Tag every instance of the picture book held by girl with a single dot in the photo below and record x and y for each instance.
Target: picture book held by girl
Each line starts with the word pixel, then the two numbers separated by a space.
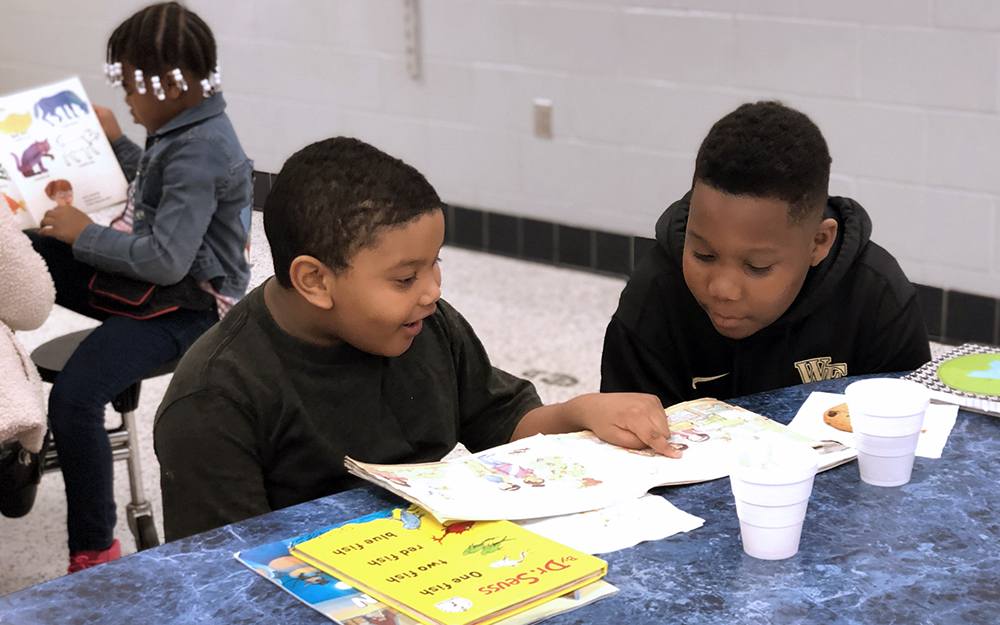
pixel 53 151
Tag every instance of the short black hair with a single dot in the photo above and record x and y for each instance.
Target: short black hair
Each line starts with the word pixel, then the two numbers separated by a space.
pixel 164 36
pixel 767 150
pixel 334 198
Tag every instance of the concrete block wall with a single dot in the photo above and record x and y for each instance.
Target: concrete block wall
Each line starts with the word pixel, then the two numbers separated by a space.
pixel 906 91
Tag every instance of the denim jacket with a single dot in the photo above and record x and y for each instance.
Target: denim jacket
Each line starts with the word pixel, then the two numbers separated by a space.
pixel 192 190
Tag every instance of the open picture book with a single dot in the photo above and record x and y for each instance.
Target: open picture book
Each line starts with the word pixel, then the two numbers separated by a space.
pixel 550 475
pixel 54 151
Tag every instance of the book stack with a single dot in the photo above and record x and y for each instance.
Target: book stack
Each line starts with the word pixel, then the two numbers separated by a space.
pixel 401 566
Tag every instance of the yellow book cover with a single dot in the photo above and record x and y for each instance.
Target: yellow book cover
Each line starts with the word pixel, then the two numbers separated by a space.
pixel 463 573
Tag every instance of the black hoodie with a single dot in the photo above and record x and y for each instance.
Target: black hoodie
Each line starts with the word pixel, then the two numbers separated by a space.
pixel 856 313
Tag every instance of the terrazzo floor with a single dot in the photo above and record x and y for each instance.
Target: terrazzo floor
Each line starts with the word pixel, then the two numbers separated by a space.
pixel 541 322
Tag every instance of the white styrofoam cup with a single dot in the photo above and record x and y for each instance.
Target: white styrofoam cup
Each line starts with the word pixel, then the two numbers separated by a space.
pixel 886 416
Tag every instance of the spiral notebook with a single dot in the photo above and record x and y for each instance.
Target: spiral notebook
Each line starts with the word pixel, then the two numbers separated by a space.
pixel 968 376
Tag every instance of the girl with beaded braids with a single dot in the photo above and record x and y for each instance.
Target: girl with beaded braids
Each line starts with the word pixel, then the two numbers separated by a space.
pixel 186 223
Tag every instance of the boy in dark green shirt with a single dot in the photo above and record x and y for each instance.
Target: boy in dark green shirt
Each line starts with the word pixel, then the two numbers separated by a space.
pixel 348 350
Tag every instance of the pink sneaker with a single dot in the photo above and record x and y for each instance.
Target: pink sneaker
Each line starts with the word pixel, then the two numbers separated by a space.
pixel 86 559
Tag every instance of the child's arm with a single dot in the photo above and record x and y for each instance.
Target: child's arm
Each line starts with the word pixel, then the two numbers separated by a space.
pixel 127 152
pixel 634 420
pixel 195 171
pixel 64 223
pixel 108 122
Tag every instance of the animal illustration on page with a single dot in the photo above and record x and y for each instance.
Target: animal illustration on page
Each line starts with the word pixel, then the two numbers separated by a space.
pixel 508 561
pixel 486 547
pixel 65 101
pixel 15 124
pixel 32 157
pixel 15 206
pixel 410 517
pixel 80 149
pixel 455 528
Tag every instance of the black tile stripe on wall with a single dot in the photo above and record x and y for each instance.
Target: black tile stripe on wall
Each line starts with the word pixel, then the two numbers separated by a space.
pixel 952 317
pixel 468 227
pixel 502 234
pixel 575 246
pixel 932 304
pixel 539 240
pixel 613 253
pixel 970 318
pixel 261 187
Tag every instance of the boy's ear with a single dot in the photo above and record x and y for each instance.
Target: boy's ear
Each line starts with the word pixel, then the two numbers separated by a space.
pixel 823 240
pixel 313 280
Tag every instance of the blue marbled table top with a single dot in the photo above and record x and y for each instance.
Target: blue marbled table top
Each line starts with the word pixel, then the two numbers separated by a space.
pixel 926 552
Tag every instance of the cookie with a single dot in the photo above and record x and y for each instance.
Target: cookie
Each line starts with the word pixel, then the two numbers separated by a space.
pixel 839 418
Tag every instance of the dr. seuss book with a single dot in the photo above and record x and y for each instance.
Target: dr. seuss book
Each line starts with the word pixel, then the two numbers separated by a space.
pixel 464 573
pixel 550 475
pixel 53 151
pixel 342 603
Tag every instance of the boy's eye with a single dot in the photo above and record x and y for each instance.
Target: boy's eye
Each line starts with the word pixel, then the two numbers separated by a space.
pixel 758 271
pixel 703 257
pixel 407 281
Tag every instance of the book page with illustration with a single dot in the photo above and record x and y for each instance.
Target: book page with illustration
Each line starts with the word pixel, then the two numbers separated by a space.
pixel 53 151
pixel 551 475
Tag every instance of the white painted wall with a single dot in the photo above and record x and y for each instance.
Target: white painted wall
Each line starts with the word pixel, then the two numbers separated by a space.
pixel 906 92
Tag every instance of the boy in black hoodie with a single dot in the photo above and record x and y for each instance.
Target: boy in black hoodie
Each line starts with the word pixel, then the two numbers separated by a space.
pixel 759 279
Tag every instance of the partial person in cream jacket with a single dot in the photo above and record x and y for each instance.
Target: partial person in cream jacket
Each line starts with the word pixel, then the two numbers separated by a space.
pixel 26 298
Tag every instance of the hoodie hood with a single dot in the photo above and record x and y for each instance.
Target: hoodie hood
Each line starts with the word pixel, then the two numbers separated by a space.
pixel 854 228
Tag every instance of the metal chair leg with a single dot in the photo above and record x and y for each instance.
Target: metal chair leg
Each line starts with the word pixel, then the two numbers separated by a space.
pixel 139 510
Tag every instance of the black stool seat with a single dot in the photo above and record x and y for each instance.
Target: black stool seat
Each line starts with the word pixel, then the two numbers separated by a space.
pixel 51 357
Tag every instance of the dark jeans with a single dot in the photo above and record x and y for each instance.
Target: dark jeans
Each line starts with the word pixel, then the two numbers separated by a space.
pixel 117 353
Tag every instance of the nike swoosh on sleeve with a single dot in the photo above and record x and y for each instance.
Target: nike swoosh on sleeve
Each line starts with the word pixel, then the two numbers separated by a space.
pixel 694 381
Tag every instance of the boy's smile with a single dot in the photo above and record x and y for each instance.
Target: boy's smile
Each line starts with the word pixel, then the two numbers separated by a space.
pixel 744 261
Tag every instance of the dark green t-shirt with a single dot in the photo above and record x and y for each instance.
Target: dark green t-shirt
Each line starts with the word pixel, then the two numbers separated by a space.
pixel 255 420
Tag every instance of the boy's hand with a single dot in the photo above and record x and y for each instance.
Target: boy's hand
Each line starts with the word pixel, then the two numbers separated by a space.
pixel 634 420
pixel 64 223
pixel 108 122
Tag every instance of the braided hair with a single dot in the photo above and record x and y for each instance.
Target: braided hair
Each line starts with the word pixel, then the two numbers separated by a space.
pixel 162 37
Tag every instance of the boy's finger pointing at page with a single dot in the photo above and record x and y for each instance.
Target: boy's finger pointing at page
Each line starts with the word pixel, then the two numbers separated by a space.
pixel 634 420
